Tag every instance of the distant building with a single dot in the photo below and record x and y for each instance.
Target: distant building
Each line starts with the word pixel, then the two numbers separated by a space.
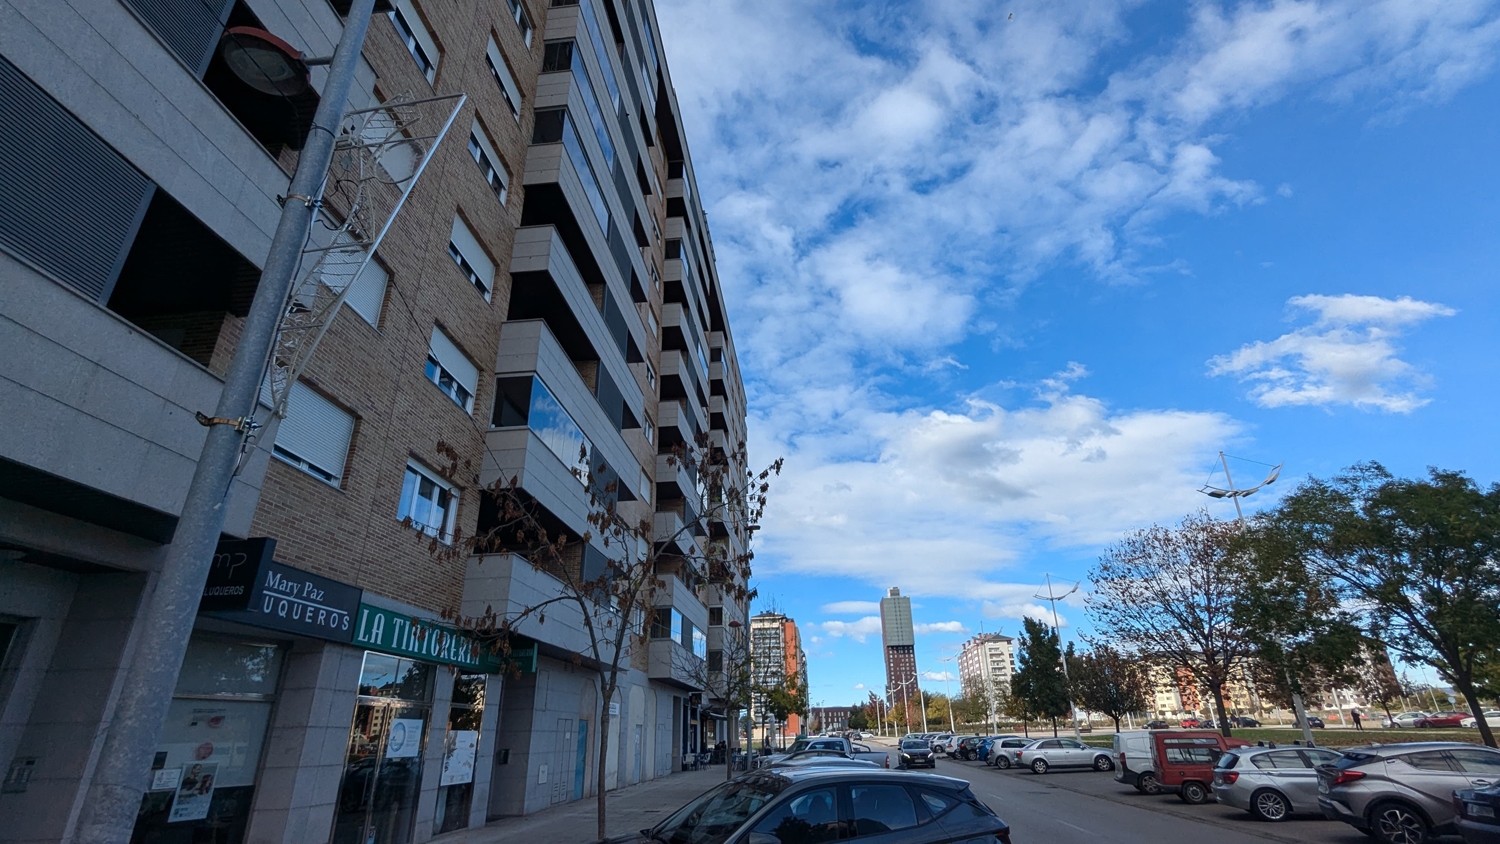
pixel 987 663
pixel 897 635
pixel 829 718
pixel 776 658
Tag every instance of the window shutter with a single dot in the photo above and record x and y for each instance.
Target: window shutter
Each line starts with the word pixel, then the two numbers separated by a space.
pixel 450 358
pixel 497 61
pixel 315 429
pixel 367 293
pixel 71 205
pixel 191 28
pixel 468 244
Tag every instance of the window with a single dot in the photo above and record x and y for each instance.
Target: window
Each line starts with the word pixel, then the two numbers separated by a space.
pixel 1435 760
pixel 523 20
pixel 464 249
pixel 651 265
pixel 650 375
pixel 646 79
pixel 661 624
pixel 699 646
pixel 715 660
pixel 1481 763
pixel 498 69
pixel 1279 759
pixel 808 818
pixel 484 155
pixel 596 38
pixel 315 434
pixel 556 125
pixel 715 616
pixel 881 808
pixel 651 318
pixel 562 55
pixel 451 370
pixel 937 802
pixel 428 501
pixel 366 294
pixel 415 36
pixel 649 429
pixel 526 401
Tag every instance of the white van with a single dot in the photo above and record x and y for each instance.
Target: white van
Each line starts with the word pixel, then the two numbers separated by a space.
pixel 1132 752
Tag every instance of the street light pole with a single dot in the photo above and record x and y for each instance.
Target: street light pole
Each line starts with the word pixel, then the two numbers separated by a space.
pixel 108 814
pixel 952 725
pixel 1053 599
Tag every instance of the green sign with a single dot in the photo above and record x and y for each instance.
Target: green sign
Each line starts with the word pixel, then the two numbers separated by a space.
pixel 399 633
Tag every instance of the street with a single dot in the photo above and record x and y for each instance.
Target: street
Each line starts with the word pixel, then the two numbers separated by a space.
pixel 1087 807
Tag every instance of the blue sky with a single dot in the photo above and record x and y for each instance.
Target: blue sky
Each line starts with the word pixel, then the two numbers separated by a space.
pixel 1005 277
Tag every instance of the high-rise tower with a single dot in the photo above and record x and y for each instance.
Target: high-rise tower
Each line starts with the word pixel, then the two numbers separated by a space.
pixel 900 647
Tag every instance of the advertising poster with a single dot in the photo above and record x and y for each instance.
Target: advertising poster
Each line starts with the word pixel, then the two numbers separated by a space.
pixel 458 757
pixel 194 793
pixel 405 741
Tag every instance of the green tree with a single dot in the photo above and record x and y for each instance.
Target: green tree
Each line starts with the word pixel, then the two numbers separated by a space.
pixel 1039 676
pixel 1168 594
pixel 857 718
pixel 1108 681
pixel 1419 560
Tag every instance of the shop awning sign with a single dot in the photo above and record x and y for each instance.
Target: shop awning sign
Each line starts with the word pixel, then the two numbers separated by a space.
pixel 401 634
pixel 289 599
pixel 233 573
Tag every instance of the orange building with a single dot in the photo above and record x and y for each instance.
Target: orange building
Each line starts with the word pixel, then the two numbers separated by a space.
pixel 777 659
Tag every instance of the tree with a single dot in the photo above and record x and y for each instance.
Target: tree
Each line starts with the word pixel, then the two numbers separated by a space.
pixel 784 699
pixel 1109 682
pixel 974 706
pixel 1417 560
pixel 609 576
pixel 728 675
pixel 1169 594
pixel 1039 677
pixel 857 718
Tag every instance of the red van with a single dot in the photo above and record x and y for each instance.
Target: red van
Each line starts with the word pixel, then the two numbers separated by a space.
pixel 1184 761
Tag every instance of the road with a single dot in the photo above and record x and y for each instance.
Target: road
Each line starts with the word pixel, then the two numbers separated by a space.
pixel 1087 807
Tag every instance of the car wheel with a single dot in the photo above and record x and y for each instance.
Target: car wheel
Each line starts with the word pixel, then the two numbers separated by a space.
pixel 1267 805
pixel 1039 766
pixel 1395 823
pixel 1003 763
pixel 1147 784
pixel 1194 793
pixel 1103 763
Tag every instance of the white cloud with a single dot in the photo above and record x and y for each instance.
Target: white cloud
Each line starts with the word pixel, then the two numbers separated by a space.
pixel 939 676
pixel 859 630
pixel 1346 357
pixel 927 629
pixel 851 607
pixel 1020 610
pixel 858 686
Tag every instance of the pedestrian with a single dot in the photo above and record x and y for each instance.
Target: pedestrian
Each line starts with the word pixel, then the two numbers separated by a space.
pixel 1354 713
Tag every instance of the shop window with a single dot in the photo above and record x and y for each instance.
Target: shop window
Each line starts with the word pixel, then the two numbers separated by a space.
pixel 377 801
pixel 460 750
pixel 203 775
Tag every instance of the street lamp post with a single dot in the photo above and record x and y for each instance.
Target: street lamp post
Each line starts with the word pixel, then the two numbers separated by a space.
pixel 952 725
pixel 1053 599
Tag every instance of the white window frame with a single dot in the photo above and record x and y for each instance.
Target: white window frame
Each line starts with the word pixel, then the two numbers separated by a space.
pixel 649 428
pixel 415 470
pixel 467 252
pixel 503 78
pixel 313 419
pixel 413 33
pixel 490 166
pixel 651 318
pixel 444 358
pixel 523 20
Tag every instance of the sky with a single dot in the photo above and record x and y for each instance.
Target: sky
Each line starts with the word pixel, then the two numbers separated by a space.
pixel 1005 278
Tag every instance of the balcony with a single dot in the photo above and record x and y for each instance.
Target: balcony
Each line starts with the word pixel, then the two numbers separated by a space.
pixel 507 584
pixel 676 425
pixel 670 663
pixel 679 380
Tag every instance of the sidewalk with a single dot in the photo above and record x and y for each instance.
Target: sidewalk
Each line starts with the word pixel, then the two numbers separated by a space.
pixel 628 810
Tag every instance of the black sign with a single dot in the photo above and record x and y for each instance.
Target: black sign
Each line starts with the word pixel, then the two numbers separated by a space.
pixel 232 577
pixel 284 598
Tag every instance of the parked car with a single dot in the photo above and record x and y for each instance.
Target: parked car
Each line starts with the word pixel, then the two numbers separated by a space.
pixel 1158 725
pixel 1190 723
pixel 825 758
pixel 1313 723
pixel 1044 754
pixel 866 734
pixel 1003 750
pixel 1478 814
pixel 1242 721
pixel 1271 783
pixel 942 742
pixel 1403 793
pixel 1132 751
pixel 1183 761
pixel 1442 719
pixel 841 745
pixel 1405 719
pixel 823 804
pixel 917 753
pixel 1491 717
pixel 966 748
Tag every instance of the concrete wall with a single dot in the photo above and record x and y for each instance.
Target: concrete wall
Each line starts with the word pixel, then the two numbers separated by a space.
pixel 539 725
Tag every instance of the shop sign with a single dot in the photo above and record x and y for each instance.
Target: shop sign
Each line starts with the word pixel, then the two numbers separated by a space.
pixel 232 576
pixel 295 601
pixel 398 633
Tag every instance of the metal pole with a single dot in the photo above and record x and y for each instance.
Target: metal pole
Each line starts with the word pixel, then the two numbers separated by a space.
pixel 108 814
pixel 1230 481
pixel 952 725
pixel 1056 628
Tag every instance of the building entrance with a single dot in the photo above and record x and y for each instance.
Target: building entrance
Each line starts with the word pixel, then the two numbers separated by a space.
pixel 383 768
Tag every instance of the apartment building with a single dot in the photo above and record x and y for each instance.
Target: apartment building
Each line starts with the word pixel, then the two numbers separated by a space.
pixel 547 286
pixel 986 664
pixel 777 659
pixel 899 645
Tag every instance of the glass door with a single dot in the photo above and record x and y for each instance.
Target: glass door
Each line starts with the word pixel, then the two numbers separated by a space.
pixel 383 767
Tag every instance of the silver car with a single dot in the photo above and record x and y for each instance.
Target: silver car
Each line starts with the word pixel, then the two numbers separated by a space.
pixel 1040 756
pixel 1271 782
pixel 1403 793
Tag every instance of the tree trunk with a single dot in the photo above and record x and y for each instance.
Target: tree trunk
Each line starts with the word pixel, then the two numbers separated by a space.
pixel 1117 722
pixel 603 757
pixel 1054 728
pixel 1218 690
pixel 1465 687
pixel 732 717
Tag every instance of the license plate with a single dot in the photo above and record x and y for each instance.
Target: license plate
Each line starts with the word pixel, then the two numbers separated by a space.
pixel 1322 787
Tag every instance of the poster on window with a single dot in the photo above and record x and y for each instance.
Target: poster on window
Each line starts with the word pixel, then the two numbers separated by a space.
pixel 194 793
pixel 458 757
pixel 405 741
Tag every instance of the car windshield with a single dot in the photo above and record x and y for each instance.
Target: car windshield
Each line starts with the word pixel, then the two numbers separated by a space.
pixel 799 744
pixel 715 815
pixel 914 744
